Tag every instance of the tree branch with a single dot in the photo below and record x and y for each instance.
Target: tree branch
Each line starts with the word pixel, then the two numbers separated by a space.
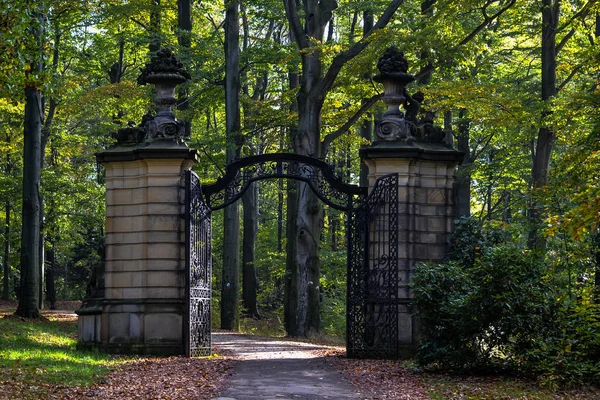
pixel 140 23
pixel 487 20
pixel 568 78
pixel 564 41
pixel 487 141
pixel 581 13
pixel 291 14
pixel 341 59
pixel 334 135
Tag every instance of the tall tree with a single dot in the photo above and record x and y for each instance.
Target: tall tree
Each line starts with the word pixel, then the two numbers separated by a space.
pixel 546 136
pixel 315 83
pixel 231 224
pixel 33 119
pixel 155 26
pixel 463 181
pixel 249 279
pixel 184 25
pixel 6 254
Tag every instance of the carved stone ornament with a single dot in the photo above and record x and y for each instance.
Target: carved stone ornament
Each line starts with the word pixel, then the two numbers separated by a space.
pixel 399 129
pixel 129 136
pixel 395 125
pixel 165 72
pixel 164 127
pixel 392 61
pixel 163 66
pixel 393 75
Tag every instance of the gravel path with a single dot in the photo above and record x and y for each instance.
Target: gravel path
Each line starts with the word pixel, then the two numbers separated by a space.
pixel 279 369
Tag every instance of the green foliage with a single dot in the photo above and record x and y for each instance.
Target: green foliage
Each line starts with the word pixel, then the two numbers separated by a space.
pixel 269 324
pixel 333 290
pixel 480 316
pixel 568 349
pixel 493 306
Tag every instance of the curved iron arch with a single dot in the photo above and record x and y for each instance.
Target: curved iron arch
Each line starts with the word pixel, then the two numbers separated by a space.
pixel 316 173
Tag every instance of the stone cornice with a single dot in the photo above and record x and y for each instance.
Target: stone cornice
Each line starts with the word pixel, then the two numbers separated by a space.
pixel 124 153
pixel 418 150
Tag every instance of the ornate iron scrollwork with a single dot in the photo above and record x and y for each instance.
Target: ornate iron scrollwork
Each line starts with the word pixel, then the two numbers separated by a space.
pixel 198 269
pixel 372 282
pixel 319 176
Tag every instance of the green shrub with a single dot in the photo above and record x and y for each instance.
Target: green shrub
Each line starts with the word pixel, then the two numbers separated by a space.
pixel 492 306
pixel 477 316
pixel 568 351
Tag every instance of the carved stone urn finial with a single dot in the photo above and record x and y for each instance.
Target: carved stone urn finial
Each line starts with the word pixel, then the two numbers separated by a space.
pixel 165 72
pixel 393 75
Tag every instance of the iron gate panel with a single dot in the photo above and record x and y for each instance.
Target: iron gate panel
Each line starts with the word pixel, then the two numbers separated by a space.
pixel 372 252
pixel 198 232
pixel 372 282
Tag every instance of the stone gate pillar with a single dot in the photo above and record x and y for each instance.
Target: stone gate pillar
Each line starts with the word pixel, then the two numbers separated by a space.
pixel 138 306
pixel 414 148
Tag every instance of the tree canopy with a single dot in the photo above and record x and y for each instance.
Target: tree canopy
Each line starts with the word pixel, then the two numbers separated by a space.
pixel 515 84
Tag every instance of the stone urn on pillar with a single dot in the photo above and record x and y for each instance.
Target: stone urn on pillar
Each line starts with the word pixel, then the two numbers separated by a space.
pixel 165 72
pixel 143 305
pixel 409 143
pixel 393 75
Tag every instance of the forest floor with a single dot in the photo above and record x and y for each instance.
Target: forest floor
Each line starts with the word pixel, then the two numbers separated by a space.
pixel 263 360
pixel 38 360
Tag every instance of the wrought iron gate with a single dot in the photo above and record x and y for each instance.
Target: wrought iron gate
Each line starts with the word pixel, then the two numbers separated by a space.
pixel 372 281
pixel 372 240
pixel 198 256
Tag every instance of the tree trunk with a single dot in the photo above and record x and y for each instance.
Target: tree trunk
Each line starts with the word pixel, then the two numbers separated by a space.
pixel 155 22
pixel 6 265
pixel 231 239
pixel 546 137
pixel 50 286
pixel 426 70
pixel 249 280
pixel 595 238
pixel 41 252
pixel 333 230
pixel 314 86
pixel 309 214
pixel 45 136
pixel 463 181
pixel 449 138
pixel 366 128
pixel 30 233
pixel 507 212
pixel 309 211
pixel 184 24
pixel 290 303
pixel 280 200
pixel 116 70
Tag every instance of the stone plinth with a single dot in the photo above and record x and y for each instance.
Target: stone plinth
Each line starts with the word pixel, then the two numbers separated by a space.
pixel 426 174
pixel 143 308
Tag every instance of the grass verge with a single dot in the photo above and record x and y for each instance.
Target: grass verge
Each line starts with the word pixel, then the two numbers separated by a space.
pixel 36 355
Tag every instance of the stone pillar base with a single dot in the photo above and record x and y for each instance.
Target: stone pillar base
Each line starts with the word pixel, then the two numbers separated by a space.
pixel 143 308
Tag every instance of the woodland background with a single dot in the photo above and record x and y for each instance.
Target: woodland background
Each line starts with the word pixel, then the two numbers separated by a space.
pixel 515 83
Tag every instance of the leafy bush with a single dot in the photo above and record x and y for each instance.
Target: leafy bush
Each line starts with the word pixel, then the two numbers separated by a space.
pixel 568 351
pixel 478 316
pixel 492 306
